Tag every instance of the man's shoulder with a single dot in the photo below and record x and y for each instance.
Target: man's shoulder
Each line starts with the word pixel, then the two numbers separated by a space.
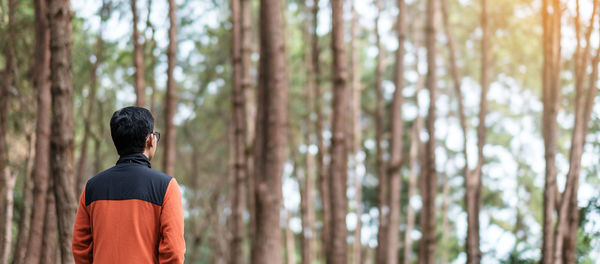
pixel 130 182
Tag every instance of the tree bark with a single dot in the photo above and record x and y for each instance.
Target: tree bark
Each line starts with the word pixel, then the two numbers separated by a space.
pixel 565 242
pixel 271 132
pixel 396 146
pixel 61 143
pixel 414 154
pixel 49 247
pixel 356 135
pixel 20 247
pixel 239 139
pixel 250 110
pixel 339 147
pixel 171 98
pixel 429 182
pixel 41 176
pixel 322 175
pixel 307 193
pixel 138 55
pixel 7 178
pixel 550 98
pixel 382 187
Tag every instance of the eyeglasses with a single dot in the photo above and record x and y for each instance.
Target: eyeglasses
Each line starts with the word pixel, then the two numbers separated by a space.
pixel 156 135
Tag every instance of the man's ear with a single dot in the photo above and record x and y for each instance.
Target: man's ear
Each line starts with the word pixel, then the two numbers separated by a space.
pixel 150 141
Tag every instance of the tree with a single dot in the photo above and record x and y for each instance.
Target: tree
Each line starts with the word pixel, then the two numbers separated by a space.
pixel 323 177
pixel 79 175
pixel 138 55
pixel 415 154
pixel 397 123
pixel 355 133
pixel 429 174
pixel 171 98
pixel 41 177
pixel 271 133
pixel 307 183
pixel 7 178
pixel 61 143
pixel 337 247
pixel 382 187
pixel 558 244
pixel 239 139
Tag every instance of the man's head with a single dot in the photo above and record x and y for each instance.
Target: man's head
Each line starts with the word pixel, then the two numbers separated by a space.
pixel 132 131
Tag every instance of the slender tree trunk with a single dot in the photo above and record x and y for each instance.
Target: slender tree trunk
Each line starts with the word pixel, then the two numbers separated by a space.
pixel 271 132
pixel 382 187
pixel 49 247
pixel 61 144
pixel 250 110
pixel 26 209
pixel 445 223
pixel 339 148
pixel 153 59
pixel 396 146
pixel 307 194
pixel 239 140
pixel 322 175
pixel 289 241
pixel 41 176
pixel 356 136
pixel 429 182
pixel 473 181
pixel 7 178
pixel 80 175
pixel 171 98
pixel 138 55
pixel 550 98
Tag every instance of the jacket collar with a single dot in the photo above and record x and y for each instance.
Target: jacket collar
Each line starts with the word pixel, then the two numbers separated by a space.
pixel 138 158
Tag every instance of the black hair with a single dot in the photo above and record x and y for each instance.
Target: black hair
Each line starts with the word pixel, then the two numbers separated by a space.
pixel 129 128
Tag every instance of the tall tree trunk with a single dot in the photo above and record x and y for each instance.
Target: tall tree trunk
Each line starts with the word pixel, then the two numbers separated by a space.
pixel 41 176
pixel 307 195
pixel 250 110
pixel 550 98
pixel 339 147
pixel 171 98
pixel 61 143
pixel 356 135
pixel 271 132
pixel 382 187
pixel 80 175
pixel 7 178
pixel 414 155
pixel 473 180
pixel 239 139
pixel 565 242
pixel 415 146
pixel 396 146
pixel 322 175
pixel 429 181
pixel 138 55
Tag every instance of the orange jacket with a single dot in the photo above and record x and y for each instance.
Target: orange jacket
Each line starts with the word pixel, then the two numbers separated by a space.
pixel 130 214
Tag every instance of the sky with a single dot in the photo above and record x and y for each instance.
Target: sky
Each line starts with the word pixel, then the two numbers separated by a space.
pixel 501 174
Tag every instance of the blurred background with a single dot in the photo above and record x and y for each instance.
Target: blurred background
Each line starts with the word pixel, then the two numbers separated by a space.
pixel 346 150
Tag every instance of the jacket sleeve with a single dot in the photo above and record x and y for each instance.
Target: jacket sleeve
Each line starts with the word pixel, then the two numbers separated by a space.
pixel 171 248
pixel 82 234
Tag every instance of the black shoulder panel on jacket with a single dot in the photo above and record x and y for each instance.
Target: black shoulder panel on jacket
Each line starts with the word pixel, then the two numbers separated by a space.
pixel 128 181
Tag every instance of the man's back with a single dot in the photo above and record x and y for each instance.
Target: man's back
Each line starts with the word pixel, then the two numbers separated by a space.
pixel 130 213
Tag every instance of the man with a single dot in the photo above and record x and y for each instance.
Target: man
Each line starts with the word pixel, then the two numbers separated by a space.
pixel 130 213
